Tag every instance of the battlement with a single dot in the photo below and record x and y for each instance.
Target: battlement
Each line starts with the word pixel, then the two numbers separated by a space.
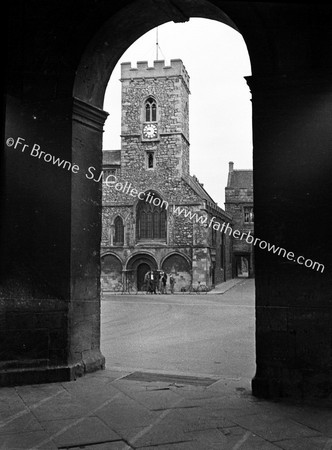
pixel 159 69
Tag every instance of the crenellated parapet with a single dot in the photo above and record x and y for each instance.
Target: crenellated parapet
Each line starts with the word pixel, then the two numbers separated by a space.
pixel 159 69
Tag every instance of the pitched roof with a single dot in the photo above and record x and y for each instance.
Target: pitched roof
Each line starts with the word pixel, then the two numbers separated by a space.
pixel 111 157
pixel 238 179
pixel 194 183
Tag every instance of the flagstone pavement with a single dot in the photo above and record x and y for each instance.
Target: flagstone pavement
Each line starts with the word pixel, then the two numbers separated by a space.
pixel 113 410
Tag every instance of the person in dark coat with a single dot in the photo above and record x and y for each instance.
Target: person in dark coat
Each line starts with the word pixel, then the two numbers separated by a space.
pixel 163 280
pixel 171 282
pixel 154 281
pixel 147 281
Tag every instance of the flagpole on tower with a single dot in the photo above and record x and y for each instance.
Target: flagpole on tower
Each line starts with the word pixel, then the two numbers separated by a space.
pixel 157 44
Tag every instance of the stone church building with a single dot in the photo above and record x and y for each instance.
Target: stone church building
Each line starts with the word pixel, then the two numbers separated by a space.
pixel 156 215
pixel 239 203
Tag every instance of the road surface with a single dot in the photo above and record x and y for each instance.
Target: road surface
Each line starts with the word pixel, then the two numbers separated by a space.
pixel 193 334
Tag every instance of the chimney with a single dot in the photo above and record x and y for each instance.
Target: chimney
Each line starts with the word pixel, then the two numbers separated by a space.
pixel 231 166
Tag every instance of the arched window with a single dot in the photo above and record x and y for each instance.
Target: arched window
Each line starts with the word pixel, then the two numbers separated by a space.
pixel 150 110
pixel 151 218
pixel 118 231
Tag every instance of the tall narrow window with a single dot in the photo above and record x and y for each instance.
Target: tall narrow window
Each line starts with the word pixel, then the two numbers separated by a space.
pixel 150 160
pixel 186 110
pixel 118 231
pixel 150 110
pixel 151 218
pixel 222 250
pixel 248 214
pixel 163 223
pixel 214 237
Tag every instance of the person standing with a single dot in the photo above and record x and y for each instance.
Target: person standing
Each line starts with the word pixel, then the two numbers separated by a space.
pixel 147 281
pixel 163 281
pixel 160 283
pixel 171 282
pixel 154 281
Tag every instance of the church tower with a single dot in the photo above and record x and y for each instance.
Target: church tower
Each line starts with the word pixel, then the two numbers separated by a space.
pixel 155 122
pixel 141 229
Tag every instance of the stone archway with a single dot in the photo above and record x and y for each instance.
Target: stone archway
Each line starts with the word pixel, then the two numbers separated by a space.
pixel 56 82
pixel 111 272
pixel 179 266
pixel 142 269
pixel 95 68
pixel 276 102
pixel 137 265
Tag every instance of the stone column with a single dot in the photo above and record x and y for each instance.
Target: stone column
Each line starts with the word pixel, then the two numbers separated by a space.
pixel 50 242
pixel 292 135
pixel 84 314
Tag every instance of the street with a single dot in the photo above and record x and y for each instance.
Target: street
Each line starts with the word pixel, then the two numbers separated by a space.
pixel 196 353
pixel 184 334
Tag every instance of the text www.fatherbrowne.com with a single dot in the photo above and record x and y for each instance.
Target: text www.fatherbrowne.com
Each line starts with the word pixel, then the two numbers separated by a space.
pixel 127 188
pixel 248 237
pixel 111 181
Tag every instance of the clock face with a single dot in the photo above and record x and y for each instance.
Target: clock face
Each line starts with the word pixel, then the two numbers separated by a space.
pixel 150 131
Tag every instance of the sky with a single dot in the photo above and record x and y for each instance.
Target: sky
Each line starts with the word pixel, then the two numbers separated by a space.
pixel 217 61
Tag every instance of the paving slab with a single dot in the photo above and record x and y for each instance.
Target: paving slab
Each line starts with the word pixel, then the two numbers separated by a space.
pixel 317 419
pixel 79 432
pixel 24 421
pixel 125 412
pixel 65 407
pixel 160 433
pixel 310 443
pixel 273 427
pixel 10 402
pixel 157 400
pixel 116 413
pixel 27 440
pixel 235 439
pixel 197 419
pixel 36 394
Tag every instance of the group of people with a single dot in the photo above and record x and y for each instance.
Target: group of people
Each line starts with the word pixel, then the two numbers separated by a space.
pixel 156 280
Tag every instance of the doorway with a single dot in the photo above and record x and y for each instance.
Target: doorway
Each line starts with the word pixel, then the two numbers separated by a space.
pixel 242 269
pixel 142 269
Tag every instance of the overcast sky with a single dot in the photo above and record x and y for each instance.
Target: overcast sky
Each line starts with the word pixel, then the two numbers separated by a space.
pixel 216 59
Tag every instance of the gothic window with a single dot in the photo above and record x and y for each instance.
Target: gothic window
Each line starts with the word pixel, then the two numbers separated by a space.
pixel 150 219
pixel 118 231
pixel 248 214
pixel 150 110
